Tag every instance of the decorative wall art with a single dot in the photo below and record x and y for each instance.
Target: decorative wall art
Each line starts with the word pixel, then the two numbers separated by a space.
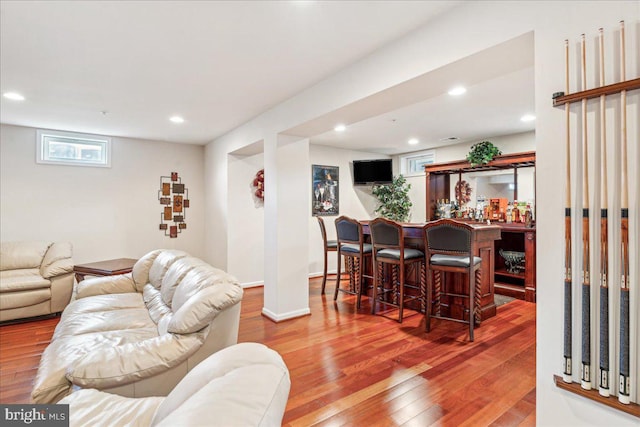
pixel 324 192
pixel 174 198
pixel 463 192
pixel 258 187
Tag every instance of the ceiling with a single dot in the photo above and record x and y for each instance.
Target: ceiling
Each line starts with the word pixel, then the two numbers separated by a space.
pixel 123 68
pixel 500 90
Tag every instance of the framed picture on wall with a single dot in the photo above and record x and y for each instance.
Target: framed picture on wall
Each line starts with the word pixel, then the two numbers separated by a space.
pixel 325 195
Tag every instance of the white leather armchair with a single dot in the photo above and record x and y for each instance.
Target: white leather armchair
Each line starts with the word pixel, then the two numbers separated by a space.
pixel 243 385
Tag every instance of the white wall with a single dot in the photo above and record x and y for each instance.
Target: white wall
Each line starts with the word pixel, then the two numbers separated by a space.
pixel 355 201
pixel 515 143
pixel 467 29
pixel 247 229
pixel 104 212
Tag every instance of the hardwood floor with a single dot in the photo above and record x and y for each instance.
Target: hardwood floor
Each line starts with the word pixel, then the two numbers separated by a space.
pixel 351 368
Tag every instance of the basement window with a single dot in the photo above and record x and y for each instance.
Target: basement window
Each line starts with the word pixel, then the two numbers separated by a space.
pixel 74 149
pixel 413 164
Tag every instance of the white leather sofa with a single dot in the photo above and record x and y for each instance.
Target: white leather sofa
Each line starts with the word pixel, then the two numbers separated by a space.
pixel 243 385
pixel 36 278
pixel 138 334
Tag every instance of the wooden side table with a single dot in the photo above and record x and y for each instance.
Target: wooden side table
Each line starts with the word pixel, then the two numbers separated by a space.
pixel 110 267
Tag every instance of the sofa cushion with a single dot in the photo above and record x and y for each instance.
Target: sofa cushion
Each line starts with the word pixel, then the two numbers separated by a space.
pixel 57 260
pixel 174 276
pixel 161 264
pixel 17 255
pixel 159 312
pixel 103 313
pixel 202 308
pixel 99 409
pixel 140 272
pixel 23 280
pixel 20 273
pixel 201 295
pixel 20 299
pixel 244 384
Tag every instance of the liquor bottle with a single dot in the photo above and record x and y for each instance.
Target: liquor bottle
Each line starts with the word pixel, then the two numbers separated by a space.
pixel 509 213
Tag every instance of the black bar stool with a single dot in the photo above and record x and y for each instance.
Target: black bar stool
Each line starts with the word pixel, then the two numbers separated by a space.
pixel 389 248
pixel 449 247
pixel 329 246
pixel 351 245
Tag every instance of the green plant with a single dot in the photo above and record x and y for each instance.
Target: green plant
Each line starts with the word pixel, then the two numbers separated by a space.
pixel 394 199
pixel 482 153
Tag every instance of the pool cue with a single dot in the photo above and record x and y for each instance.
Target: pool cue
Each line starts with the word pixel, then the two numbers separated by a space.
pixel 568 316
pixel 586 285
pixel 624 391
pixel 603 387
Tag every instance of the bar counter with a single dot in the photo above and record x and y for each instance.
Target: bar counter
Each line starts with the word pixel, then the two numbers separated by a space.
pixel 485 236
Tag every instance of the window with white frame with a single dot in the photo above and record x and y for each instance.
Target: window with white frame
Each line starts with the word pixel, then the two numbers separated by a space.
pixel 413 164
pixel 71 148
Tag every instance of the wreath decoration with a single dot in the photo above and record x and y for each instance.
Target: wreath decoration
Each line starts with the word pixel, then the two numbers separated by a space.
pixel 258 185
pixel 463 192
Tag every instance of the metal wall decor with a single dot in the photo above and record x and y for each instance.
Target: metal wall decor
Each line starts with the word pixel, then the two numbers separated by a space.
pixel 174 197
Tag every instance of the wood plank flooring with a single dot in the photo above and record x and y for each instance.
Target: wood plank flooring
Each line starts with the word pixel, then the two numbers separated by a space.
pixel 351 368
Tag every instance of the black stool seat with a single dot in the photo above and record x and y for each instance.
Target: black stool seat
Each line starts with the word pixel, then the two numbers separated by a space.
pixel 332 244
pixel 453 260
pixel 353 248
pixel 409 253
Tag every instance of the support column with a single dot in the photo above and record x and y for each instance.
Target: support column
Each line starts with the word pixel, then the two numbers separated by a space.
pixel 286 228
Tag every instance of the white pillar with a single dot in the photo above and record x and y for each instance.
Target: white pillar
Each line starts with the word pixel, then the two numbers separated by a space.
pixel 286 232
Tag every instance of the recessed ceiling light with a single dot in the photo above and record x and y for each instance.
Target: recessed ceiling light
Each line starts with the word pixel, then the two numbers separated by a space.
pixel 528 118
pixel 340 128
pixel 413 141
pixel 177 119
pixel 457 91
pixel 14 96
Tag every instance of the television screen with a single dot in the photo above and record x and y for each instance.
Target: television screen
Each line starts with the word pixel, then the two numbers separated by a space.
pixel 372 172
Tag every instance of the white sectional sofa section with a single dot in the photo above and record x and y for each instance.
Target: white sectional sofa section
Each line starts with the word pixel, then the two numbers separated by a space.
pixel 138 334
pixel 36 278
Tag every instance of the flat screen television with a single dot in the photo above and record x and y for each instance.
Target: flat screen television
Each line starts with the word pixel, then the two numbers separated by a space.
pixel 367 172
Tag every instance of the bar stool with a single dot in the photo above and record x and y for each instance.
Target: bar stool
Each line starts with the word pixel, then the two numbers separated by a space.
pixel 329 246
pixel 449 247
pixel 351 245
pixel 389 248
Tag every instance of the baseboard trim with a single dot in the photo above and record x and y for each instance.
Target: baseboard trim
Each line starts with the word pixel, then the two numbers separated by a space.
pixel 285 316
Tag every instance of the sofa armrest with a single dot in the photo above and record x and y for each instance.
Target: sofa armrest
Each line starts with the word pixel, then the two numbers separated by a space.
pixel 57 260
pixel 104 285
pixel 127 363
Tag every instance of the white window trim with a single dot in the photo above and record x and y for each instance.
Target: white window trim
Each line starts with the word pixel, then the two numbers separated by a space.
pixel 405 159
pixel 41 148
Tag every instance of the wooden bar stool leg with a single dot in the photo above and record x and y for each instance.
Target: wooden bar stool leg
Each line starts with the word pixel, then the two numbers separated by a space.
pixel 401 285
pixel 374 270
pixel 324 275
pixel 429 305
pixel 358 281
pixel 478 277
pixel 472 303
pixel 338 276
